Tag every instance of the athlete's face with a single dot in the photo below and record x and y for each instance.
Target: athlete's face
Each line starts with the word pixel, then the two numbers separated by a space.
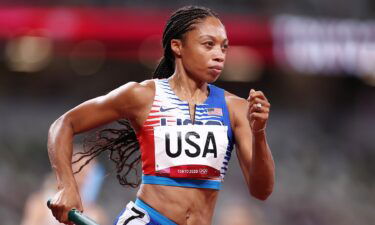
pixel 203 50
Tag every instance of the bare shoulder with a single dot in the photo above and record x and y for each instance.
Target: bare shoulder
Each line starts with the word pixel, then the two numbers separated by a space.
pixel 132 97
pixel 134 92
pixel 137 90
pixel 237 108
pixel 234 101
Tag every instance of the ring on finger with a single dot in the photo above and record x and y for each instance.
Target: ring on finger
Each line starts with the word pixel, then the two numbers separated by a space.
pixel 258 105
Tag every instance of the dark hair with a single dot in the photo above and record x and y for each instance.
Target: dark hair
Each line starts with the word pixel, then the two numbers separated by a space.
pixel 123 149
pixel 180 22
pixel 122 144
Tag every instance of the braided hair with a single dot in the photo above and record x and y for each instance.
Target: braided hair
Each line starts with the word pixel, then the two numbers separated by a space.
pixel 122 144
pixel 181 21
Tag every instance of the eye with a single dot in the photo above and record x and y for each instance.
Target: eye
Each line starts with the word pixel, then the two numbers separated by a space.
pixel 224 48
pixel 209 44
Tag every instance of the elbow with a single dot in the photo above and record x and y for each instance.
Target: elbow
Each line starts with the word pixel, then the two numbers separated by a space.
pixel 52 132
pixel 261 195
pixel 261 192
pixel 53 126
pixel 62 121
pixel 56 128
pixel 261 186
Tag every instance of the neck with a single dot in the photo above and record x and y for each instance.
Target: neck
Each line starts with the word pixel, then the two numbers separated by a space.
pixel 187 88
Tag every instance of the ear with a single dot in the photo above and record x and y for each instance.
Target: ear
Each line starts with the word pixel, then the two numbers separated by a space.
pixel 176 46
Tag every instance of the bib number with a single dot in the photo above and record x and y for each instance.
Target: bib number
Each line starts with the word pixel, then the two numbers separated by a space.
pixel 134 215
pixel 190 151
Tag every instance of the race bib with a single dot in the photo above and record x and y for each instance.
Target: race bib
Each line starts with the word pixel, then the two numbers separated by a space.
pixel 133 215
pixel 192 151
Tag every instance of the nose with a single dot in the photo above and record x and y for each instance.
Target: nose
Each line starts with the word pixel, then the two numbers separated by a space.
pixel 219 56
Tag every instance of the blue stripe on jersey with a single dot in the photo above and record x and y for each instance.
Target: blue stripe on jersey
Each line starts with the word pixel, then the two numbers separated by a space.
pixel 174 98
pixel 164 83
pixel 218 101
pixel 168 91
pixel 181 182
pixel 155 217
pixel 208 117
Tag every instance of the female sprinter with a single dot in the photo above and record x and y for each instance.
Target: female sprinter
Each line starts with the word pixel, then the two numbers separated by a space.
pixel 185 128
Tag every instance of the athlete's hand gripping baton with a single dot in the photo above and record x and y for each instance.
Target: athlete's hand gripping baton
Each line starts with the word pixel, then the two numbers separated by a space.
pixel 77 217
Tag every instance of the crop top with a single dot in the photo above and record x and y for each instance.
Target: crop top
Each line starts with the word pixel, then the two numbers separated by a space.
pixel 177 151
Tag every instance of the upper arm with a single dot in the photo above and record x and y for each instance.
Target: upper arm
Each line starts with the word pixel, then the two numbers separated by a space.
pixel 123 102
pixel 238 108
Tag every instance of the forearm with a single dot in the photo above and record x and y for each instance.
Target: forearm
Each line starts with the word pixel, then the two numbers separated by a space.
pixel 60 148
pixel 262 169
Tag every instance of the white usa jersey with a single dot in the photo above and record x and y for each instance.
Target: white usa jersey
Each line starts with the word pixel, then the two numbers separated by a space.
pixel 173 146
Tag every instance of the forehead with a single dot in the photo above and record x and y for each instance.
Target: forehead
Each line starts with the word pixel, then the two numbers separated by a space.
pixel 210 26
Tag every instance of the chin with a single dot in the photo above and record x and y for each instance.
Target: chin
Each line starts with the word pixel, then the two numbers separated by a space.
pixel 207 77
pixel 212 78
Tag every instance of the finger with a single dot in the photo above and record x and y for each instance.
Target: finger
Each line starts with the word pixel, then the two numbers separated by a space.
pixel 259 94
pixel 259 116
pixel 262 109
pixel 64 218
pixel 80 208
pixel 250 94
pixel 259 106
pixel 54 209
pixel 258 100
pixel 60 214
pixel 57 212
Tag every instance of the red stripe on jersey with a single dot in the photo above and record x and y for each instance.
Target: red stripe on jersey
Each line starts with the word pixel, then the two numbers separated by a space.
pixel 156 117
pixel 146 143
pixel 147 123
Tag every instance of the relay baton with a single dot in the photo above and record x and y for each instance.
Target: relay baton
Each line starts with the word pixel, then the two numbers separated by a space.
pixel 77 217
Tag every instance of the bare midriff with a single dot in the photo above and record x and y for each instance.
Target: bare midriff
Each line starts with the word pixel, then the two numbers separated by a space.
pixel 182 205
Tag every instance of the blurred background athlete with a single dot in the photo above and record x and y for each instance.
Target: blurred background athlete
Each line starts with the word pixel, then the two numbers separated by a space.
pixel 185 128
pixel 88 180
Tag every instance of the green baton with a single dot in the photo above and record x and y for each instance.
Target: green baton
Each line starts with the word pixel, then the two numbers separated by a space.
pixel 77 217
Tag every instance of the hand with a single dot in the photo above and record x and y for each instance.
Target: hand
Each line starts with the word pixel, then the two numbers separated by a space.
pixel 258 111
pixel 63 201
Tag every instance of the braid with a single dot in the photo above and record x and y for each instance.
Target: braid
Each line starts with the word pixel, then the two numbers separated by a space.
pixel 122 147
pixel 180 22
pixel 164 69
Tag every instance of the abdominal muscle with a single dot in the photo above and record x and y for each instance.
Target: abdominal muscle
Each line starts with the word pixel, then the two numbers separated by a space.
pixel 184 206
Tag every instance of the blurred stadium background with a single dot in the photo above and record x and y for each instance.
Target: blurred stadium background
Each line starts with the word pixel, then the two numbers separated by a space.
pixel 314 60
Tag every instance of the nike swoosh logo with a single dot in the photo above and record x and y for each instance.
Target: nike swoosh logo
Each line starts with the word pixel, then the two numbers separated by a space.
pixel 166 109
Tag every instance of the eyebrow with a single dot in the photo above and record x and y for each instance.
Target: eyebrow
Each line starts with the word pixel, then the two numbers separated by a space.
pixel 210 36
